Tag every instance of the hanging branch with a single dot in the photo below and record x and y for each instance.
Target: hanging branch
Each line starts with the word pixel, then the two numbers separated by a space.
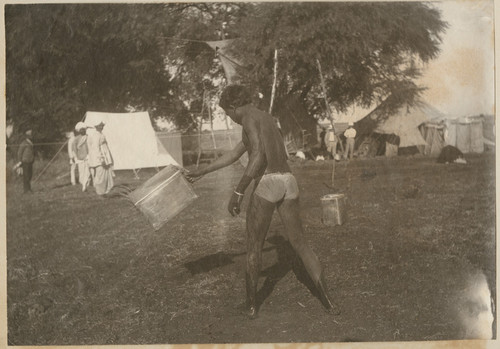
pixel 201 125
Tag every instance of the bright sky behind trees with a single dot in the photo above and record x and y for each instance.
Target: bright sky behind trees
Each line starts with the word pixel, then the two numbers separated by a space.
pixel 461 80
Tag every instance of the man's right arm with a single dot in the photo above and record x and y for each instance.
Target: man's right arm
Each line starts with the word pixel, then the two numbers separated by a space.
pixel 225 160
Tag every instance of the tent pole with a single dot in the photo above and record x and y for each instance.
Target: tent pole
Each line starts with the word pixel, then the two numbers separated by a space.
pixel 333 171
pixel 199 145
pixel 273 91
pixel 45 168
pixel 199 128
pixel 36 179
pixel 211 125
pixel 228 134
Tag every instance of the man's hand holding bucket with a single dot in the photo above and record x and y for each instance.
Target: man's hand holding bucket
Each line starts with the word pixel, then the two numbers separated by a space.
pixel 192 176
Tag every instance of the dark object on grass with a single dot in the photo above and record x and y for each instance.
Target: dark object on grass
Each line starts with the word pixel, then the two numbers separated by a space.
pixel 450 154
pixel 118 191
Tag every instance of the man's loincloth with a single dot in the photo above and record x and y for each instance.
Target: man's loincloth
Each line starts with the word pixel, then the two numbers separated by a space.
pixel 275 187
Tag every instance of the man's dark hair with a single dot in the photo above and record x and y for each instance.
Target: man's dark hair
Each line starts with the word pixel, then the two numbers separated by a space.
pixel 234 96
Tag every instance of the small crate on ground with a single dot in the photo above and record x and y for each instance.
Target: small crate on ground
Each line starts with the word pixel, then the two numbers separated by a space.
pixel 334 209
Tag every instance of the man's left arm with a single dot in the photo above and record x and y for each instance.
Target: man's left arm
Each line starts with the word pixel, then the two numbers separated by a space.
pixel 223 161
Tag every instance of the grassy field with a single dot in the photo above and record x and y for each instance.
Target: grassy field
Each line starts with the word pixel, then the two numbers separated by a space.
pixel 418 242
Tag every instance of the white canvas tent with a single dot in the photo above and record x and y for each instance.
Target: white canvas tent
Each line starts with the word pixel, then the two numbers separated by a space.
pixel 434 134
pixel 405 122
pixel 131 139
pixel 465 133
pixel 395 132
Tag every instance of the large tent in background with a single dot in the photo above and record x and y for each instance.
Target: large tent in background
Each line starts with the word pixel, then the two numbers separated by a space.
pixel 398 131
pixel 405 122
pixel 131 139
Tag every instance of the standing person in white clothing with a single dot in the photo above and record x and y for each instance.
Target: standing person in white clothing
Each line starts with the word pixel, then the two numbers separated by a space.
pixel 332 142
pixel 72 157
pixel 100 160
pixel 81 152
pixel 350 135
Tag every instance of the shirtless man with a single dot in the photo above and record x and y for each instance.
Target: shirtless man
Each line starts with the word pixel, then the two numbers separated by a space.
pixel 275 187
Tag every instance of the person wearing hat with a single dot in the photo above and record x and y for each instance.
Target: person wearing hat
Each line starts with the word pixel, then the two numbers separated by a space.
pixel 100 160
pixel 26 157
pixel 81 154
pixel 350 135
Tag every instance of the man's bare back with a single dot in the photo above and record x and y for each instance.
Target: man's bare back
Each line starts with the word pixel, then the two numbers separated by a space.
pixel 258 126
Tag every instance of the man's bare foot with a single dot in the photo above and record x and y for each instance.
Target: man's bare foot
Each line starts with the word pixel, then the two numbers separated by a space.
pixel 251 312
pixel 333 309
pixel 330 307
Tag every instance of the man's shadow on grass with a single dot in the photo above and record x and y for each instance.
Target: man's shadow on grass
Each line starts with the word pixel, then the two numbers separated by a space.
pixel 210 262
pixel 213 261
pixel 288 261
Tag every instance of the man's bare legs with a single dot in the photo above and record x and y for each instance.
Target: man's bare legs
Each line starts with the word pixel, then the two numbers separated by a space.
pixel 290 216
pixel 259 216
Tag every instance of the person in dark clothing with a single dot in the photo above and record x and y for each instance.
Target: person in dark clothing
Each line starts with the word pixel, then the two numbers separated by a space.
pixel 26 157
pixel 322 136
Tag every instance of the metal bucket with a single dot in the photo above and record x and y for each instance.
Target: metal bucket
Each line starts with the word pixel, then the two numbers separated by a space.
pixel 334 209
pixel 163 196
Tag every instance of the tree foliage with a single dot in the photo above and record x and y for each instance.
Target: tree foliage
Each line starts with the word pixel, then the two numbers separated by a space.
pixel 368 51
pixel 197 72
pixel 65 59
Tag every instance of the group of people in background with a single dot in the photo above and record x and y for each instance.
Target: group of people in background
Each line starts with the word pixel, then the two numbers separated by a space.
pixel 89 155
pixel 89 152
pixel 329 141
